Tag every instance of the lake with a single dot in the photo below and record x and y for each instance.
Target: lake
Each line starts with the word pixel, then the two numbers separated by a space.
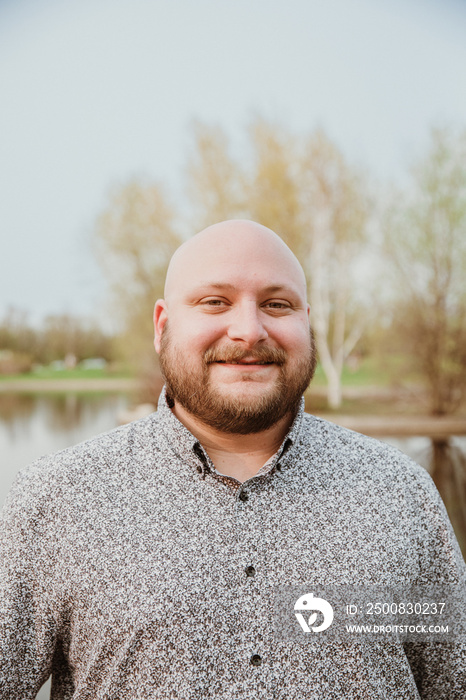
pixel 35 425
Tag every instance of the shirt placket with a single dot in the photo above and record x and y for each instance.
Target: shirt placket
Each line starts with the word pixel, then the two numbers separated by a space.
pixel 256 629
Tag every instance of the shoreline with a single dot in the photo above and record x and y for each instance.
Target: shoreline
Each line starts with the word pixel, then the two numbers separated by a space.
pixel 390 424
pixel 97 384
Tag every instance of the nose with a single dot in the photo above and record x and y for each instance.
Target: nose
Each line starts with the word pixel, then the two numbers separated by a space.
pixel 246 325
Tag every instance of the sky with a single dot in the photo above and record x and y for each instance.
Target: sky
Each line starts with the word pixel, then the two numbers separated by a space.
pixel 95 92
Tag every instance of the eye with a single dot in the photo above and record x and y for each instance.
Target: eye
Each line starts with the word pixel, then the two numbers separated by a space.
pixel 213 303
pixel 277 305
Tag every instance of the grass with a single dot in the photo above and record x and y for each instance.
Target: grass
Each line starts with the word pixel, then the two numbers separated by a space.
pixel 370 406
pixel 372 372
pixel 77 373
pixel 400 393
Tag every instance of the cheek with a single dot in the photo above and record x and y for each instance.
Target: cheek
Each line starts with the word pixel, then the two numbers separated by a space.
pixel 294 338
pixel 193 335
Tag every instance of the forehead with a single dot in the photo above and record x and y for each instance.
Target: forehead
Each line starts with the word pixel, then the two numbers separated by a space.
pixel 233 275
pixel 245 259
pixel 250 286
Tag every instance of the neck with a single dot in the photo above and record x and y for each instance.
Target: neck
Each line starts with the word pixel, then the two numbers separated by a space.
pixel 239 456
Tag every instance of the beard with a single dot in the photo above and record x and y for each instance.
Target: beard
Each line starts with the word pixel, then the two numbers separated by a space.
pixel 193 389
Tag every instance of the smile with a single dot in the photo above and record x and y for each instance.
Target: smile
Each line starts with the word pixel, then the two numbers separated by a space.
pixel 242 362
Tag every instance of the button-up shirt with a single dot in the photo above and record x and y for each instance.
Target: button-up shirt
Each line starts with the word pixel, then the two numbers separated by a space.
pixel 130 568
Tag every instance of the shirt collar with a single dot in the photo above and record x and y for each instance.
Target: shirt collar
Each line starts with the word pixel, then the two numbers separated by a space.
pixel 189 449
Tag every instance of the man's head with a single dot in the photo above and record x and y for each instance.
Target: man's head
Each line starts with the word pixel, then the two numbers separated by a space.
pixel 233 333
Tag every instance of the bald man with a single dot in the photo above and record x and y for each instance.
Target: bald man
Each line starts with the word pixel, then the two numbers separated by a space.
pixel 237 353
pixel 213 549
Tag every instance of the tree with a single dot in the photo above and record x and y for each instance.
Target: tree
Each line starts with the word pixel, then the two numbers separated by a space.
pixel 426 241
pixel 303 189
pixel 16 333
pixel 58 336
pixel 215 182
pixel 135 239
pixel 335 211
pixel 63 336
pixel 274 186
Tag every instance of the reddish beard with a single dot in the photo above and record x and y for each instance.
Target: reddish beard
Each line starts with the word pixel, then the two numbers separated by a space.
pixel 192 387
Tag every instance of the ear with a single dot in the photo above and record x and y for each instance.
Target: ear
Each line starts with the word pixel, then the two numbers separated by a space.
pixel 160 319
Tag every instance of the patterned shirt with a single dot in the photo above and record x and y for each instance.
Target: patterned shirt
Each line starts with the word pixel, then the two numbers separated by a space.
pixel 130 568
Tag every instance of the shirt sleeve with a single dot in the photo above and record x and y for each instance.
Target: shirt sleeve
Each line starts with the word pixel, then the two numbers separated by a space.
pixel 439 668
pixel 27 625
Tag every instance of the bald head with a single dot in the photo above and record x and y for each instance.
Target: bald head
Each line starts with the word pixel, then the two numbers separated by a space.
pixel 234 326
pixel 235 246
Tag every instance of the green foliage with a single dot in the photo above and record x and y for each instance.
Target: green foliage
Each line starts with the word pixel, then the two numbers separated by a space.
pixel 426 242
pixel 302 187
pixel 42 373
pixel 135 238
pixel 23 345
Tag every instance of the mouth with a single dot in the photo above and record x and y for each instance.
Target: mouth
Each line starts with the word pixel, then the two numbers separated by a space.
pixel 243 362
pixel 239 358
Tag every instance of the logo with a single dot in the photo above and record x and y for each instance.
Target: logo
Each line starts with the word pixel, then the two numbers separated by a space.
pixel 307 603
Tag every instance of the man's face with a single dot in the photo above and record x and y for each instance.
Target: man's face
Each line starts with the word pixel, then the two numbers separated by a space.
pixel 236 349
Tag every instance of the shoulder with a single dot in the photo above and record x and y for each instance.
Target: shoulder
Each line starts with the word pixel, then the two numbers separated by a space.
pixel 352 453
pixel 81 467
pixel 380 476
pixel 332 438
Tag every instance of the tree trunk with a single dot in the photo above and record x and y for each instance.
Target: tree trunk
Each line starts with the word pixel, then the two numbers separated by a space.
pixel 334 396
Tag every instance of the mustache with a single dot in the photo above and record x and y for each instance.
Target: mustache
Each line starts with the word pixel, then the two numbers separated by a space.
pixel 236 354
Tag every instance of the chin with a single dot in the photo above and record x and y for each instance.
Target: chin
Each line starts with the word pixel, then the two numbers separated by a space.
pixel 245 390
pixel 246 386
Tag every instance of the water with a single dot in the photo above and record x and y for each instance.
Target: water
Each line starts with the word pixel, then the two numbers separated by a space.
pixel 31 426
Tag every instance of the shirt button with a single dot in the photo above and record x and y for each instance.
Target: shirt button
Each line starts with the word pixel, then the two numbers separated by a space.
pixel 256 660
pixel 250 571
pixel 243 496
pixel 199 468
pixel 278 468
